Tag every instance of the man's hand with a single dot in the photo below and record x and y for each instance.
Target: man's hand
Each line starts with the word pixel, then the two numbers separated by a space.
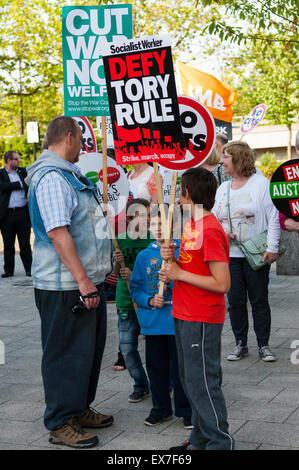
pixel 157 301
pixel 271 257
pixel 86 287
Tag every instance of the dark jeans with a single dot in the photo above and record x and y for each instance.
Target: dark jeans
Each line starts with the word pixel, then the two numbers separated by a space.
pixel 199 357
pixel 162 367
pixel 73 346
pixel 247 283
pixel 16 223
pixel 129 331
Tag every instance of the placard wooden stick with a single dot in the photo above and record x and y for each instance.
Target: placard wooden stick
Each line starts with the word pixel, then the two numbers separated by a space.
pixel 168 238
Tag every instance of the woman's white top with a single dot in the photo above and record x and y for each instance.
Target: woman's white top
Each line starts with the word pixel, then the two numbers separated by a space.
pixel 252 212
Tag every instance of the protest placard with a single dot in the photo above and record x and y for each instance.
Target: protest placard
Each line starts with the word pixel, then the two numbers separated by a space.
pixel 89 143
pixel 143 100
pixel 284 188
pixel 199 130
pixel 254 118
pixel 109 133
pixel 85 29
pixel 91 166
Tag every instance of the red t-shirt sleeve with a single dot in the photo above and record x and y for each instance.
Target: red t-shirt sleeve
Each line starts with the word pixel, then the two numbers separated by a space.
pixel 215 246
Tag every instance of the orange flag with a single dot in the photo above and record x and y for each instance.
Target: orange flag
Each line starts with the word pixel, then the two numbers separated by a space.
pixel 209 91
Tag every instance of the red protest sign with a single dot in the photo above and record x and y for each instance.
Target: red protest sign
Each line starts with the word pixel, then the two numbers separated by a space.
pixel 143 101
pixel 199 130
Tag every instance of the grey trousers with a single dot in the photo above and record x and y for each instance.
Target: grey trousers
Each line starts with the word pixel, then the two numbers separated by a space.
pixel 199 357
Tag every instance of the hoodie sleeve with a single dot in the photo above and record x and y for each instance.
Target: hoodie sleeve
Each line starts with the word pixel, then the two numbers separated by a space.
pixel 137 284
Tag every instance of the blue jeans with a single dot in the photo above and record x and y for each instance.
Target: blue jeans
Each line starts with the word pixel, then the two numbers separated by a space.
pixel 129 330
pixel 73 346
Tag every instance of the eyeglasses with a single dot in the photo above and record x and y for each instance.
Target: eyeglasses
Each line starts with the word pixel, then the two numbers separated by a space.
pixel 16 159
pixel 225 156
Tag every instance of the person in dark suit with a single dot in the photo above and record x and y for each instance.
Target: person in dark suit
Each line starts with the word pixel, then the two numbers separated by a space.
pixel 14 214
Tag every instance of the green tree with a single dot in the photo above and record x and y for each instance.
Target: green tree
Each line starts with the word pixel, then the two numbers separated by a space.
pixel 265 20
pixel 30 60
pixel 267 74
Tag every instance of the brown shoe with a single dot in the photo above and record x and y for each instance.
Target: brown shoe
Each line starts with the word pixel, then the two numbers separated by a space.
pixel 72 435
pixel 94 419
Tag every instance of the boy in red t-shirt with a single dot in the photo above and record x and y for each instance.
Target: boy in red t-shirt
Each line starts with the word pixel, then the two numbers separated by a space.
pixel 201 278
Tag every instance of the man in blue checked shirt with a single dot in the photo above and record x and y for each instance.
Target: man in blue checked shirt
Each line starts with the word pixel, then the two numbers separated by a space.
pixel 71 259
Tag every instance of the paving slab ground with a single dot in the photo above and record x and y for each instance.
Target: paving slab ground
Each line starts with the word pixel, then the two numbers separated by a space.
pixel 262 398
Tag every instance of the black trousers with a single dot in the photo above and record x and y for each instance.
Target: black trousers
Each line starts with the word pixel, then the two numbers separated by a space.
pixel 16 222
pixel 73 346
pixel 253 285
pixel 162 367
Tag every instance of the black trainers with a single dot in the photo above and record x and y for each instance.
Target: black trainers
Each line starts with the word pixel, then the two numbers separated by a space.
pixel 266 354
pixel 187 422
pixel 181 448
pixel 136 397
pixel 238 353
pixel 154 420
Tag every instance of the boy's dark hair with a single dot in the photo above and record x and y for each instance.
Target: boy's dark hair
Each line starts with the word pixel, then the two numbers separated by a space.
pixel 201 185
pixel 138 200
pixel 135 202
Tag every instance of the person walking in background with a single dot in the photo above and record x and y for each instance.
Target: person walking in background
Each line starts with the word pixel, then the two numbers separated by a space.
pixel 220 141
pixel 14 214
pixel 71 259
pixel 246 201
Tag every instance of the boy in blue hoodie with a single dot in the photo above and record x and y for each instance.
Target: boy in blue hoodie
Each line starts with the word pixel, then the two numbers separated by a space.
pixel 156 321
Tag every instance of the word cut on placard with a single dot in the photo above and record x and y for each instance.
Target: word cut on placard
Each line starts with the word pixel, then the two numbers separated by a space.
pixel 85 30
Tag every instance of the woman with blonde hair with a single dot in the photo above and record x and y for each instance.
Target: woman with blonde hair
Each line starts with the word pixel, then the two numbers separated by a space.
pixel 244 208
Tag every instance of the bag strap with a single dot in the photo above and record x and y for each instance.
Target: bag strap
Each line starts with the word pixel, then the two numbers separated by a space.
pixel 228 207
pixel 235 241
pixel 219 174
